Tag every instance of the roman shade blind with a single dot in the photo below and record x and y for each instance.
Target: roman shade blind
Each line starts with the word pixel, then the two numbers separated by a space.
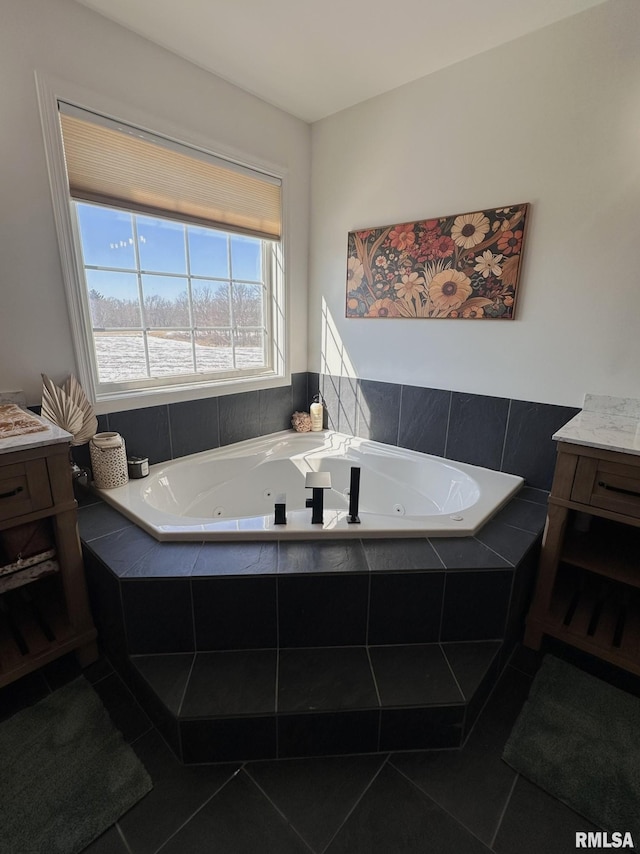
pixel 116 165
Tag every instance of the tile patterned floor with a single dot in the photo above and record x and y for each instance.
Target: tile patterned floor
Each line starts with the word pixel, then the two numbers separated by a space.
pixel 438 802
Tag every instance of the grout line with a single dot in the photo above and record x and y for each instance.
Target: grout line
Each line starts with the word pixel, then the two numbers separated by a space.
pixel 123 838
pixel 169 432
pixel 373 674
pixel 455 678
pixel 399 416
pixel 277 809
pixel 201 807
pixel 184 692
pixel 354 807
pixel 277 682
pixel 446 435
pixel 497 553
pixel 504 811
pixel 506 430
pixel 437 803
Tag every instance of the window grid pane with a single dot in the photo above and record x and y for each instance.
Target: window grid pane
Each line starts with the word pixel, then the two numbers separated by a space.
pixel 154 323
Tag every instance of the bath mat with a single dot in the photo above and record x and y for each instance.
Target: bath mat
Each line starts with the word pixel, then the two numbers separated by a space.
pixel 66 774
pixel 578 738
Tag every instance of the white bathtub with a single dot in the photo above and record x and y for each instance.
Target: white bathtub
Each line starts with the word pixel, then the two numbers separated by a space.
pixel 229 493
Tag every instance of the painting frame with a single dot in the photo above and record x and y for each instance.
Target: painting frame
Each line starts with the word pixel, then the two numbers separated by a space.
pixel 463 266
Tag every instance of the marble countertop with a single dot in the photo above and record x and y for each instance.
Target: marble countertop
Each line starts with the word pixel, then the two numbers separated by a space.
pixel 51 436
pixel 611 423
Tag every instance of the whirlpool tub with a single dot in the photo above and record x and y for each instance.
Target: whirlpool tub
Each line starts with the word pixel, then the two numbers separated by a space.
pixel 229 493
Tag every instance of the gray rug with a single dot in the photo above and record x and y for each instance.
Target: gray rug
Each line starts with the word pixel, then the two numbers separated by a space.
pixel 66 774
pixel 578 738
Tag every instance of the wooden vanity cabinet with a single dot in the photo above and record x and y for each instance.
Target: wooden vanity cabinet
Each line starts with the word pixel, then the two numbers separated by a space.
pixel 588 586
pixel 44 609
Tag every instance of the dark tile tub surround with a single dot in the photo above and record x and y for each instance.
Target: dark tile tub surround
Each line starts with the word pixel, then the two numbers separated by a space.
pixel 314 648
pixel 506 435
pixel 513 436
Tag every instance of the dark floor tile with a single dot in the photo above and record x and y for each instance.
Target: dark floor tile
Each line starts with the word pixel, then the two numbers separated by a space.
pixel 323 610
pixel 194 426
pixel 236 559
pixel 476 431
pixel 413 825
pixel 98 670
pixel 400 554
pixel 467 553
pixel 120 550
pixel 416 675
pixel 325 679
pixel 145 432
pixel 228 739
pixel 472 784
pixel 316 795
pixel 327 733
pixel 22 693
pixel 405 607
pixel 470 662
pixel 165 560
pixel 424 416
pixel 475 605
pixel 241 821
pixel 235 613
pixel 123 709
pixel 96 520
pixel 310 556
pixel 528 515
pixel 378 411
pixel 167 675
pixel 61 671
pixel 526 660
pixel 231 683
pixel 535 822
pixel 427 728
pixel 158 615
pixel 110 842
pixel 239 416
pixel 178 791
pixel 510 543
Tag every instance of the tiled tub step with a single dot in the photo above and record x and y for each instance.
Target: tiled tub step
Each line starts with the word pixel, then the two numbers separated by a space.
pixel 265 704
pixel 282 649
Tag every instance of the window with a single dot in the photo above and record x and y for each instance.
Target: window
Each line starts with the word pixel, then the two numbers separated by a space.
pixel 168 299
pixel 178 261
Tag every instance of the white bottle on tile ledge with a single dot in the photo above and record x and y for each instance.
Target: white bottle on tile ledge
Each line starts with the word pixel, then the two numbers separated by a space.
pixel 316 411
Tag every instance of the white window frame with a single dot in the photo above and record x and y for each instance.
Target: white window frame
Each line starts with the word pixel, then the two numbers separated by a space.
pixel 106 397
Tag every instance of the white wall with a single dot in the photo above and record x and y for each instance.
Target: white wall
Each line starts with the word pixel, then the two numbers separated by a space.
pixel 552 119
pixel 72 43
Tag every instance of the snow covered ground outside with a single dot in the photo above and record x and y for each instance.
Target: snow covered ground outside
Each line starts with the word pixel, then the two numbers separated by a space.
pixel 121 357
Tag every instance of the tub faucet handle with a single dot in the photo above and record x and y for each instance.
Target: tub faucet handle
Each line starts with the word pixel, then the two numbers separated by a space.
pixel 280 510
pixel 317 482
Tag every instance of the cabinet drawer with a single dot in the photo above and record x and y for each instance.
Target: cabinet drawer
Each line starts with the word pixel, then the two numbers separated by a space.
pixel 608 485
pixel 24 488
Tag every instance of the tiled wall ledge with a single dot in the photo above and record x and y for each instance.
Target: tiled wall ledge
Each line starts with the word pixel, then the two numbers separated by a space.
pixel 177 429
pixel 506 435
pixel 513 436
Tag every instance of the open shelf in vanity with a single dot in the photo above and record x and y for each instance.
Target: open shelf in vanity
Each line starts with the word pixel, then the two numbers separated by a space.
pixel 588 587
pixel 44 609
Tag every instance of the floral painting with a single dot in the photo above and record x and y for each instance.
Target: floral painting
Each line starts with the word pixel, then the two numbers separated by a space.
pixel 464 266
